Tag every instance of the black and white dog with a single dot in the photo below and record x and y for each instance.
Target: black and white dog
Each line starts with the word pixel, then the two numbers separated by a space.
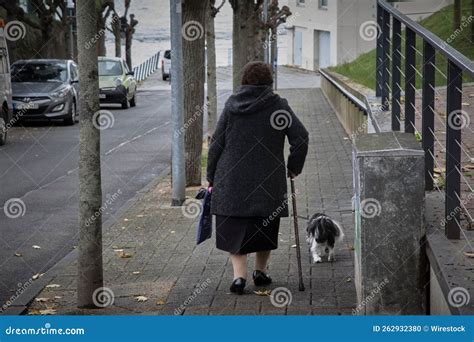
pixel 323 233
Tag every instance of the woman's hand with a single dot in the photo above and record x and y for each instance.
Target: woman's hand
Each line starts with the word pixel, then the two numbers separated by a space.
pixel 291 174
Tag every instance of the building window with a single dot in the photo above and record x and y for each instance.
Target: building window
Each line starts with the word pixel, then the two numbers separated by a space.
pixel 323 4
pixel 300 2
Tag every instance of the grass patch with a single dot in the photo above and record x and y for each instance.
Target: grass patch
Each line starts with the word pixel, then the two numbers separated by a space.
pixel 362 69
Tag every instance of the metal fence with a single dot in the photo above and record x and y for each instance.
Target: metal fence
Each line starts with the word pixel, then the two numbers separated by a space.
pixel 389 87
pixel 144 70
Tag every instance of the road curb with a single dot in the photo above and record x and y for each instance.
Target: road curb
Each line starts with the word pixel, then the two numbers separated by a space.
pixel 21 303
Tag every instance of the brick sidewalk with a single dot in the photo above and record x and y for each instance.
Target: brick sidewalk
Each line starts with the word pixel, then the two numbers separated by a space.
pixel 153 266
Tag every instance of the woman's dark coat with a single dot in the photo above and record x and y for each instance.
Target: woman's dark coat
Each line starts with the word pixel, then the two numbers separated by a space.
pixel 246 162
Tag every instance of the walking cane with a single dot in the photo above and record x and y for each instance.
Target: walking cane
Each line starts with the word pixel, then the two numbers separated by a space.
pixel 297 235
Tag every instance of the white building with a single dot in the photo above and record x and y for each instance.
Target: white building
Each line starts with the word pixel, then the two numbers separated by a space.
pixel 322 33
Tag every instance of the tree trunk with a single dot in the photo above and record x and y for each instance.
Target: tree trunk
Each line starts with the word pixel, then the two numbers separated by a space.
pixel 90 273
pixel 236 47
pixel 128 48
pixel 193 32
pixel 457 14
pixel 117 35
pixel 101 49
pixel 247 40
pixel 211 74
pixel 472 22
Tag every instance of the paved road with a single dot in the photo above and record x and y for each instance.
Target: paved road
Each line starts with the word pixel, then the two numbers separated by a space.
pixel 39 166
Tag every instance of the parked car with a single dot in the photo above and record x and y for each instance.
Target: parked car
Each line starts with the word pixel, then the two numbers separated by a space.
pixel 116 82
pixel 5 90
pixel 166 65
pixel 45 89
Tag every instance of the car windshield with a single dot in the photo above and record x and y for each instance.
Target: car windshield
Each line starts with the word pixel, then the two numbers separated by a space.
pixel 39 72
pixel 110 68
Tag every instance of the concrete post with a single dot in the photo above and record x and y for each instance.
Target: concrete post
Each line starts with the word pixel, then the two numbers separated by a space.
pixel 390 267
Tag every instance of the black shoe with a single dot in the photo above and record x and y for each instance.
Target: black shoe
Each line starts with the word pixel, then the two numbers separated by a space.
pixel 261 278
pixel 238 286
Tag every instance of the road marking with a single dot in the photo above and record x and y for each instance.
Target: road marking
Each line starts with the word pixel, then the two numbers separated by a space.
pixel 135 138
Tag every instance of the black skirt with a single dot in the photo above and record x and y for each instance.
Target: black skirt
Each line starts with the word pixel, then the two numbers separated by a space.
pixel 243 235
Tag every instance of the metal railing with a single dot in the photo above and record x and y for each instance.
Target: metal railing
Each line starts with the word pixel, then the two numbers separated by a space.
pixel 147 68
pixel 389 88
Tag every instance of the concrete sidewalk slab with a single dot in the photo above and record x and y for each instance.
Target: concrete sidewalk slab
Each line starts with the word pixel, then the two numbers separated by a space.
pixel 153 267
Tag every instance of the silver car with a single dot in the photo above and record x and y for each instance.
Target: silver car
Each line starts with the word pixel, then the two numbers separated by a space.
pixel 45 89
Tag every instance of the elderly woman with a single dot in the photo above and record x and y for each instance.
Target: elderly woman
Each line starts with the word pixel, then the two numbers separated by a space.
pixel 247 172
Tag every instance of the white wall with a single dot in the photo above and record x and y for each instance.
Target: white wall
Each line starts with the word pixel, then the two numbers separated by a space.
pixel 343 19
pixel 308 18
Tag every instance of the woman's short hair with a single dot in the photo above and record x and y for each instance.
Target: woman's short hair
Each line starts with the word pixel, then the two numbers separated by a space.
pixel 257 73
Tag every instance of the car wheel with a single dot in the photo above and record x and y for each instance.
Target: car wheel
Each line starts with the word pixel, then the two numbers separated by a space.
pixel 71 120
pixel 125 103
pixel 3 132
pixel 133 101
pixel 76 115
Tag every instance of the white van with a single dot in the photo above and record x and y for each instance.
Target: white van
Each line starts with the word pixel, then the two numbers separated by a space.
pixel 6 108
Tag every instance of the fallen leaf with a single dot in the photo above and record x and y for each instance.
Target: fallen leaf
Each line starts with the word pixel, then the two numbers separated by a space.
pixel 36 247
pixel 469 254
pixel 124 255
pixel 351 248
pixel 52 286
pixel 126 219
pixel 140 215
pixel 136 272
pixel 465 104
pixel 141 299
pixel 58 297
pixel 17 254
pixel 41 300
pixel 47 312
pixel 263 292
pixel 293 246
pixel 348 279
pixel 471 95
pixel 160 302
pixel 115 247
pixel 172 232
